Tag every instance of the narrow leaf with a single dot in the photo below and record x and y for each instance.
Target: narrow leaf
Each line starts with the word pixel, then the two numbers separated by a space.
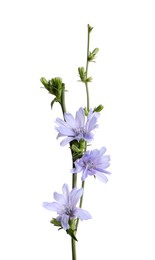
pixel 71 233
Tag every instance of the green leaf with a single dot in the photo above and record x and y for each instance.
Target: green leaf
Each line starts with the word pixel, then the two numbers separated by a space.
pixel 52 103
pixel 55 222
pixel 71 233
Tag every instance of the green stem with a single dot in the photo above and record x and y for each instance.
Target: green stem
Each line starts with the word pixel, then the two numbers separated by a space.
pixel 74 177
pixel 73 243
pixel 63 105
pixel 87 63
pixel 74 180
pixel 87 93
pixel 81 201
pixel 83 184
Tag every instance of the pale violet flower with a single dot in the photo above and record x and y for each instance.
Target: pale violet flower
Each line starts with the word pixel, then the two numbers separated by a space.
pixel 77 128
pixel 93 163
pixel 65 206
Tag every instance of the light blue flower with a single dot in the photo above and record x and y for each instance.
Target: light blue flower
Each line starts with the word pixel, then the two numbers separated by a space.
pixel 93 163
pixel 65 206
pixel 77 128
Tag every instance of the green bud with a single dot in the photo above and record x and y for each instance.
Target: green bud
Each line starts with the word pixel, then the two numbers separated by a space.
pixel 82 145
pixel 86 111
pixel 95 51
pixel 89 79
pixel 90 28
pixel 92 55
pixel 99 108
pixel 44 81
pixel 82 74
pixel 75 148
pixel 54 86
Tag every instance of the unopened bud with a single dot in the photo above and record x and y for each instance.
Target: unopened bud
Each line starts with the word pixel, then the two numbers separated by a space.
pixel 44 81
pixel 99 108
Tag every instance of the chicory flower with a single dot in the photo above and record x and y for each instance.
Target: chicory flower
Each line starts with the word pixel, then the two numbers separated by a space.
pixel 77 128
pixel 65 206
pixel 93 163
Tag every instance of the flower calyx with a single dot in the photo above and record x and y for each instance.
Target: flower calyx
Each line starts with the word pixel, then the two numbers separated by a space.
pixel 77 149
pixel 71 231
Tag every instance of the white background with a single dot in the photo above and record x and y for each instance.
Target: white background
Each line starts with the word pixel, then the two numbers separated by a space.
pixel 48 38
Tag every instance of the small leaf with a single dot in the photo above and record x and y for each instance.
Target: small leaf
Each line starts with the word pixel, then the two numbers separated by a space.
pixel 71 233
pixel 89 79
pixel 55 222
pixel 52 103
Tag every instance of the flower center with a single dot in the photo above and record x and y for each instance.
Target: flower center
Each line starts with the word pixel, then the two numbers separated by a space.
pixel 79 130
pixel 68 211
pixel 89 164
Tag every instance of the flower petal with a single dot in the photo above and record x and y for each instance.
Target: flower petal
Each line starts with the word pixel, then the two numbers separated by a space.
pixel 58 197
pixel 61 122
pixel 66 141
pixel 75 195
pixel 65 131
pixel 82 214
pixel 64 221
pixel 80 117
pixel 102 150
pixel 70 120
pixel 53 206
pixel 91 122
pixel 65 191
pixel 101 177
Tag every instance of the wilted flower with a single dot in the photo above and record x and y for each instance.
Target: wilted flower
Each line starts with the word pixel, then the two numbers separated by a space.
pixel 76 128
pixel 65 206
pixel 93 163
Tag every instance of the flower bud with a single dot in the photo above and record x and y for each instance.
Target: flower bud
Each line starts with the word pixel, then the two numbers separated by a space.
pixel 99 108
pixel 86 111
pixel 92 55
pixel 54 86
pixel 82 145
pixel 90 28
pixel 44 81
pixel 75 148
pixel 82 74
